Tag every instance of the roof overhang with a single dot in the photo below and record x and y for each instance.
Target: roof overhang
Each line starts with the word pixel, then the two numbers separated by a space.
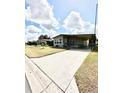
pixel 83 36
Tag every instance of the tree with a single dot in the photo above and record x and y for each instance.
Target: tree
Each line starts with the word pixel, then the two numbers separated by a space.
pixel 32 43
pixel 43 37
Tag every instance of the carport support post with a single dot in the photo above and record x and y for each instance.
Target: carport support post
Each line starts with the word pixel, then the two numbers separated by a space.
pixel 93 41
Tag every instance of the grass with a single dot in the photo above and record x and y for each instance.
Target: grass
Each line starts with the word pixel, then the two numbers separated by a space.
pixel 87 74
pixel 39 51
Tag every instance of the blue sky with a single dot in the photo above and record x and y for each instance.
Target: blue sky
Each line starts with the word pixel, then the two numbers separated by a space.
pixel 54 17
pixel 63 7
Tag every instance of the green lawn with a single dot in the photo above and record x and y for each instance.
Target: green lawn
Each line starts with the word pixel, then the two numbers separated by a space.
pixel 87 74
pixel 38 51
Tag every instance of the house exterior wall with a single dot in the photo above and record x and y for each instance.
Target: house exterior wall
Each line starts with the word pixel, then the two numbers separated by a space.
pixel 71 41
pixel 75 42
pixel 58 41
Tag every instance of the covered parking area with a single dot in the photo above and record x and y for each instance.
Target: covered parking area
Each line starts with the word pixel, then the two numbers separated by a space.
pixel 74 40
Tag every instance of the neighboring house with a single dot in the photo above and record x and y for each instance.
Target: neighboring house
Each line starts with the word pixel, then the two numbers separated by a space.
pixel 73 41
pixel 43 39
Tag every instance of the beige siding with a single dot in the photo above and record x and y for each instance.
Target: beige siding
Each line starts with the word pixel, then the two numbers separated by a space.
pixel 58 41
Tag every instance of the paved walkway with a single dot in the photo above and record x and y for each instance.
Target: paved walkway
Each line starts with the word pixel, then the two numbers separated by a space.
pixel 60 68
pixel 37 81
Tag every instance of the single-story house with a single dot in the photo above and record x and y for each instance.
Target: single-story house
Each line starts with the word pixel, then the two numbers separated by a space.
pixel 44 41
pixel 73 40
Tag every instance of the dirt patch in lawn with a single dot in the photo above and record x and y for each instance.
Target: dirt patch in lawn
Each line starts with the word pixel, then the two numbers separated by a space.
pixel 87 74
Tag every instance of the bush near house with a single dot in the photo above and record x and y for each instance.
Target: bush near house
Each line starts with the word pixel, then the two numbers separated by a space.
pixel 50 43
pixel 31 43
pixel 95 49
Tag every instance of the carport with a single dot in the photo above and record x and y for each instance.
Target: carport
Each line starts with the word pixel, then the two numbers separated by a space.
pixel 73 40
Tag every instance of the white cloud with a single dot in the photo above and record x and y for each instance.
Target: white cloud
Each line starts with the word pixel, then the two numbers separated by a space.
pixel 33 29
pixel 76 25
pixel 28 13
pixel 32 32
pixel 42 12
pixel 74 21
pixel 31 37
pixel 27 1
pixel 50 33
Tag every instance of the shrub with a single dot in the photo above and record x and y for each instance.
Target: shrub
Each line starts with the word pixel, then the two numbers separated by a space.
pixel 32 43
pixel 50 43
pixel 95 49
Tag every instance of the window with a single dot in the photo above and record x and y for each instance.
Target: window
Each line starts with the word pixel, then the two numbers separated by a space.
pixel 60 40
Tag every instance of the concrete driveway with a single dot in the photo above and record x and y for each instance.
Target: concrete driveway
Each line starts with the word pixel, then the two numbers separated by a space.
pixel 61 67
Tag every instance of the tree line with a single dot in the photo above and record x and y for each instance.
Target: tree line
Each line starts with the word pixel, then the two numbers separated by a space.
pixel 41 38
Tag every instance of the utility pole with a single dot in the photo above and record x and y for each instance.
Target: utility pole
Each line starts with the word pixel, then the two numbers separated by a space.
pixel 96 19
pixel 94 34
